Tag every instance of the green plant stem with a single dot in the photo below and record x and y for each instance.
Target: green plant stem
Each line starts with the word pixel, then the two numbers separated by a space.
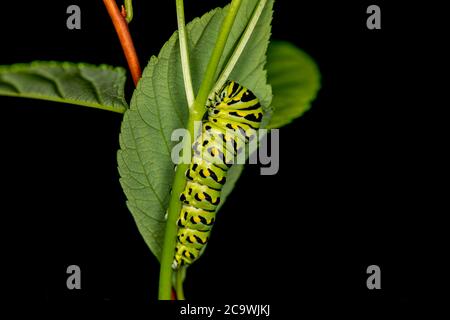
pixel 165 273
pixel 240 46
pixel 196 114
pixel 179 283
pixel 184 53
pixel 211 69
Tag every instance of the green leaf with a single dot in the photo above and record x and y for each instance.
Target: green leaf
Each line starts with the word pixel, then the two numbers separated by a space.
pixel 87 85
pixel 295 80
pixel 159 106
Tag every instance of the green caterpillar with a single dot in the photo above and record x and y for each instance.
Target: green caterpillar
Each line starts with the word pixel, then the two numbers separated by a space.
pixel 232 118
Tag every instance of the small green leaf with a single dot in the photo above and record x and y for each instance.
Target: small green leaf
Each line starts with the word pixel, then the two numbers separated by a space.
pixel 81 84
pixel 159 106
pixel 295 80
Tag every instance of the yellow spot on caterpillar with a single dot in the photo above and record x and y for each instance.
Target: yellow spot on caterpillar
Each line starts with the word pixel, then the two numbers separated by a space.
pixel 206 173
pixel 214 151
pixel 196 219
pixel 192 238
pixel 201 196
pixel 230 87
pixel 240 113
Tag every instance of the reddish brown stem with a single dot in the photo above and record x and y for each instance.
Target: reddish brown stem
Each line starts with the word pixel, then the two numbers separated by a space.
pixel 121 26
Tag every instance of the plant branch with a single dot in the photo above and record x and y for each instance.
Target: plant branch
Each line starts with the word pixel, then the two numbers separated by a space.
pixel 121 26
pixel 184 53
pixel 240 46
pixel 179 283
pixel 211 69
pixel 175 205
pixel 196 114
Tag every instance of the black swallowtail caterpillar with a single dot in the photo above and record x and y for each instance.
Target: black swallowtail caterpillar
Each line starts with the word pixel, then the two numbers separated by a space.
pixel 233 115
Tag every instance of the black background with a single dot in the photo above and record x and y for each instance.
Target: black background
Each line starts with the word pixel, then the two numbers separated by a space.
pixel 351 190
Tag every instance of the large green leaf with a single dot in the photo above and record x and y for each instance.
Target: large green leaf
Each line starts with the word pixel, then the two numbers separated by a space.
pixel 159 106
pixel 295 81
pixel 81 84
